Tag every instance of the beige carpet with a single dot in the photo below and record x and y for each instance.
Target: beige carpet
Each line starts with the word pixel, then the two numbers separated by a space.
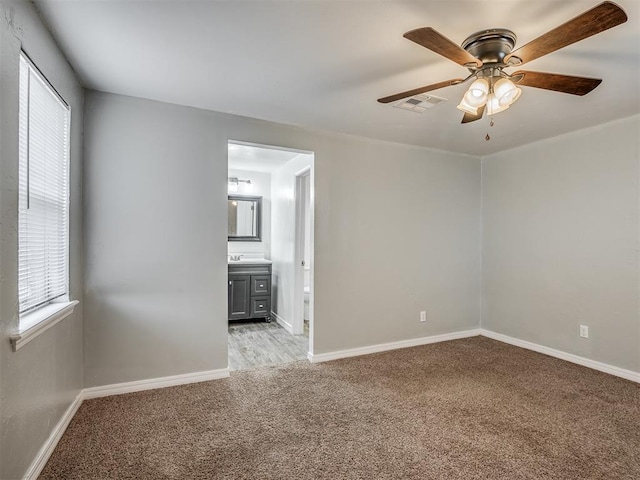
pixel 466 409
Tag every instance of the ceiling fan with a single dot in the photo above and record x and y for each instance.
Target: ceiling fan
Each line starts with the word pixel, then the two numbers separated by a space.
pixel 487 53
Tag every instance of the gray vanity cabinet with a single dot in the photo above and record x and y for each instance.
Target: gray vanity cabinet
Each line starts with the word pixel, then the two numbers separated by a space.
pixel 249 291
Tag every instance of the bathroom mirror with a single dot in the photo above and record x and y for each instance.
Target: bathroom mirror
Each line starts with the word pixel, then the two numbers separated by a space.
pixel 245 214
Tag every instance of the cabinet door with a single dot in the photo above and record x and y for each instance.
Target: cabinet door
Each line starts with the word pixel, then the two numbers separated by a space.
pixel 239 296
pixel 260 285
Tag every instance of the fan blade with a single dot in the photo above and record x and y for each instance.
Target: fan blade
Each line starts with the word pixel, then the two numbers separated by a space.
pixel 468 117
pixel 417 91
pixel 556 82
pixel 600 18
pixel 436 42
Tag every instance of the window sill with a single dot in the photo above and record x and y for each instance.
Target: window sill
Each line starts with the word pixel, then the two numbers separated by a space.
pixel 36 323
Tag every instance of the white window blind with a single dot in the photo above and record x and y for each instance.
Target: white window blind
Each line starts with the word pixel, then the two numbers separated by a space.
pixel 43 201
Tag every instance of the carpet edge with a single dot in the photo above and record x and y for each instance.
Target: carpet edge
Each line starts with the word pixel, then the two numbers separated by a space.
pixel 569 357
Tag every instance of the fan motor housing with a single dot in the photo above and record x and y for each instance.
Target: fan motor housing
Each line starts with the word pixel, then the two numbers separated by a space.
pixel 490 46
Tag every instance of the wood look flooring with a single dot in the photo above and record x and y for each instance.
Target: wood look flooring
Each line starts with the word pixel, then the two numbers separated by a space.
pixel 255 344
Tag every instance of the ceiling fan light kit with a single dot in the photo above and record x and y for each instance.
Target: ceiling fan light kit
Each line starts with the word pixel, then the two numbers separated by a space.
pixel 496 96
pixel 487 53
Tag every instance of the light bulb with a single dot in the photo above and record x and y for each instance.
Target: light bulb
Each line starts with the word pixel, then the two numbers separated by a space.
pixel 476 96
pixel 506 92
pixel 248 186
pixel 478 92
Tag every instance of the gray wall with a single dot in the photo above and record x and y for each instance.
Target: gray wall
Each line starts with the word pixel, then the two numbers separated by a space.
pixel 156 240
pixel 560 244
pixel 39 381
pixel 397 231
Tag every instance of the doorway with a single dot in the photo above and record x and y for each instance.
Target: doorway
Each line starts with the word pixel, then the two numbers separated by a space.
pixel 270 262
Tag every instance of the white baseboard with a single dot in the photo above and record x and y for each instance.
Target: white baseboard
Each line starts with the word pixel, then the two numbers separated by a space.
pixel 286 325
pixel 47 449
pixel 383 347
pixel 569 357
pixel 149 384
pixel 116 389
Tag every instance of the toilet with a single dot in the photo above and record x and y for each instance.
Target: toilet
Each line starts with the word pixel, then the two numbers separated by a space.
pixel 306 294
pixel 306 303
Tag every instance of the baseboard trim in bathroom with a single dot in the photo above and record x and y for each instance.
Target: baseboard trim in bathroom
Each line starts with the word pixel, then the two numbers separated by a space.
pixel 383 347
pixel 282 322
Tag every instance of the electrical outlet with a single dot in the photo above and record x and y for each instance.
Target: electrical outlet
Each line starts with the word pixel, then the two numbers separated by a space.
pixel 423 316
pixel 584 331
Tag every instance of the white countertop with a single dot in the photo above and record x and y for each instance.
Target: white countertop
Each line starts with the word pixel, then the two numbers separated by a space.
pixel 249 261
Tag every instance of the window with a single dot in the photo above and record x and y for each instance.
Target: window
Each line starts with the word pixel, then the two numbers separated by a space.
pixel 43 193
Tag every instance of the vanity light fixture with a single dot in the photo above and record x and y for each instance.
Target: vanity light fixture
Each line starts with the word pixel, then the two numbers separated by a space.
pixel 234 185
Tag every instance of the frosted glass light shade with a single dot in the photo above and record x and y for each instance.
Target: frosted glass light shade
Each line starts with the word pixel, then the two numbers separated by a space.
pixel 506 92
pixel 494 106
pixel 476 96
pixel 465 107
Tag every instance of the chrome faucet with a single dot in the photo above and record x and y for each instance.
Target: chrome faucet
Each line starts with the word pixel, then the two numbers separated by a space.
pixel 235 258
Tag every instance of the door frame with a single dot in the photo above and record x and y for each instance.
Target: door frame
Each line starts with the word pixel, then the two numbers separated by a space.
pixel 297 323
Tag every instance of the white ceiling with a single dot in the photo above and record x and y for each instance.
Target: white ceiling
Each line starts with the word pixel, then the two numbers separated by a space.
pixel 323 64
pixel 258 159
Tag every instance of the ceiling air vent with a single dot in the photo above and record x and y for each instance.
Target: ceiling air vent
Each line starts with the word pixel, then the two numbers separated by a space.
pixel 419 103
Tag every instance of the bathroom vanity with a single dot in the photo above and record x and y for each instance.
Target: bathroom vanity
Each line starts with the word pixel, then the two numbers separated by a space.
pixel 249 290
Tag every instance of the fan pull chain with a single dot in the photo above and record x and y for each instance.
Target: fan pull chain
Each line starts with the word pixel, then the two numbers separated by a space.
pixel 487 138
